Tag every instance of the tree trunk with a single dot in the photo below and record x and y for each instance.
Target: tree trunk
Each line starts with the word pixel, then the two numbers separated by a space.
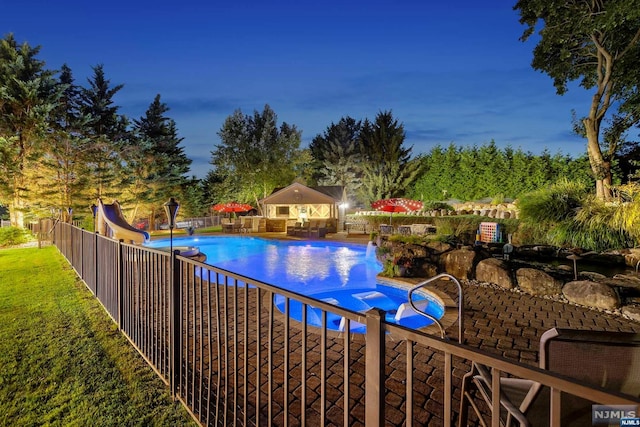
pixel 152 219
pixel 601 169
pixel 16 212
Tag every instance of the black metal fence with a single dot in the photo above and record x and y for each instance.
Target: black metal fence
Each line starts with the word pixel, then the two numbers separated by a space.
pixel 233 357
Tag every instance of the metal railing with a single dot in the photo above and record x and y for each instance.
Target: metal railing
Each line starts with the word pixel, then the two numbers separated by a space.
pixel 237 351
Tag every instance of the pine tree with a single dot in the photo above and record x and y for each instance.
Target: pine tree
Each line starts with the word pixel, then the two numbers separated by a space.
pixel 27 96
pixel 62 173
pixel 388 170
pixel 107 131
pixel 255 156
pixel 156 160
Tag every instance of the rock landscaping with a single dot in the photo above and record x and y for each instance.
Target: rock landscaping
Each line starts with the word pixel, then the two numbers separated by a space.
pixel 525 269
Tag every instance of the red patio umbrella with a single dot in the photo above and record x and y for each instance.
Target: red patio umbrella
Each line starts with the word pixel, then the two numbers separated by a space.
pixel 397 205
pixel 232 207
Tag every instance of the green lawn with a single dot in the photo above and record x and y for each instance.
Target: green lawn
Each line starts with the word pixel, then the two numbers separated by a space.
pixel 62 360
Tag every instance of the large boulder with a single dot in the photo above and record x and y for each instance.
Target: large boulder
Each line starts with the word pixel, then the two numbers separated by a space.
pixel 537 282
pixel 426 269
pixel 632 257
pixel 460 262
pixel 623 281
pixel 591 294
pixel 632 312
pixel 496 271
pixel 439 247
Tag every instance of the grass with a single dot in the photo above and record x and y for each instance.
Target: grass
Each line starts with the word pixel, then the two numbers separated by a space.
pixel 62 360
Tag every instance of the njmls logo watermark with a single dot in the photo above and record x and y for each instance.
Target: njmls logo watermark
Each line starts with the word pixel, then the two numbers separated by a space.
pixel 614 415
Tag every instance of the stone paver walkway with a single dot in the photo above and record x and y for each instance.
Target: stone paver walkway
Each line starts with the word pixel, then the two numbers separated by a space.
pixel 503 322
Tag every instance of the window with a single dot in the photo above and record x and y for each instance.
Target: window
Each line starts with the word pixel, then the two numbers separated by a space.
pixel 282 211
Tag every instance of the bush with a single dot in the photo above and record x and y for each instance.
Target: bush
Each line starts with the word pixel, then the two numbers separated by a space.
pixel 431 205
pixel 11 236
pixel 564 215
pixel 553 204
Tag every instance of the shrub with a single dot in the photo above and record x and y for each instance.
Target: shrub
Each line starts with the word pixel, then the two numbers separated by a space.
pixel 553 204
pixel 433 206
pixel 11 236
pixel 564 215
pixel 627 214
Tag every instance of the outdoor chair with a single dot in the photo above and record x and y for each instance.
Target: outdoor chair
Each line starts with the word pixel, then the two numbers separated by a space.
pixel 318 230
pixel 386 230
pixel 237 225
pixel 291 229
pixel 227 225
pixel 303 230
pixel 246 224
pixel 610 360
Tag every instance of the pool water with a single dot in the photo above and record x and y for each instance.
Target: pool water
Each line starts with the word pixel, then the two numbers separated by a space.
pixel 338 273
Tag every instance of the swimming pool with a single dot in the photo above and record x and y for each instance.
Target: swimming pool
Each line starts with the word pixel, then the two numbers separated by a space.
pixel 342 274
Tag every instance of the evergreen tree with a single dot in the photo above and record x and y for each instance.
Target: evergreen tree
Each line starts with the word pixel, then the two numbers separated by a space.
pixel 388 170
pixel 255 156
pixel 338 153
pixel 28 93
pixel 337 141
pixel 193 202
pixel 156 160
pixel 108 133
pixel 62 174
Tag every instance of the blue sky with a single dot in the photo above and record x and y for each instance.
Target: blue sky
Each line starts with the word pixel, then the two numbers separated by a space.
pixel 453 72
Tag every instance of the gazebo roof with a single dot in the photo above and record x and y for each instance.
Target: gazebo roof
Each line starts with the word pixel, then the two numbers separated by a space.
pixel 297 193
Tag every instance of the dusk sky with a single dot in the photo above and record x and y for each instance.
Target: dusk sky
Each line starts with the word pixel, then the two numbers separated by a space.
pixel 449 71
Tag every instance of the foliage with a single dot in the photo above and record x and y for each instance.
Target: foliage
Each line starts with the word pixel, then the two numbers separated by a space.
pixel 193 202
pixel 565 215
pixel 597 43
pixel 552 204
pixel 388 170
pixel 155 159
pixel 432 205
pixel 339 156
pixel 472 173
pixel 627 215
pixel 255 156
pixel 107 131
pixel 389 268
pixel 11 236
pixel 592 228
pixel 460 226
pixel 27 96
pixel 62 172
pixel 335 153
pixel 63 145
pixel 63 360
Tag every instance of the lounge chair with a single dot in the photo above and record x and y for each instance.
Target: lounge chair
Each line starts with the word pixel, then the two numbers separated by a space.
pixel 607 359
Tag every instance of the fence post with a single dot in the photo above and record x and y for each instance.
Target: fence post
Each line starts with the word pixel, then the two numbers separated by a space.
pixel 175 323
pixel 82 254
pixel 95 262
pixel 374 362
pixel 70 244
pixel 120 284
